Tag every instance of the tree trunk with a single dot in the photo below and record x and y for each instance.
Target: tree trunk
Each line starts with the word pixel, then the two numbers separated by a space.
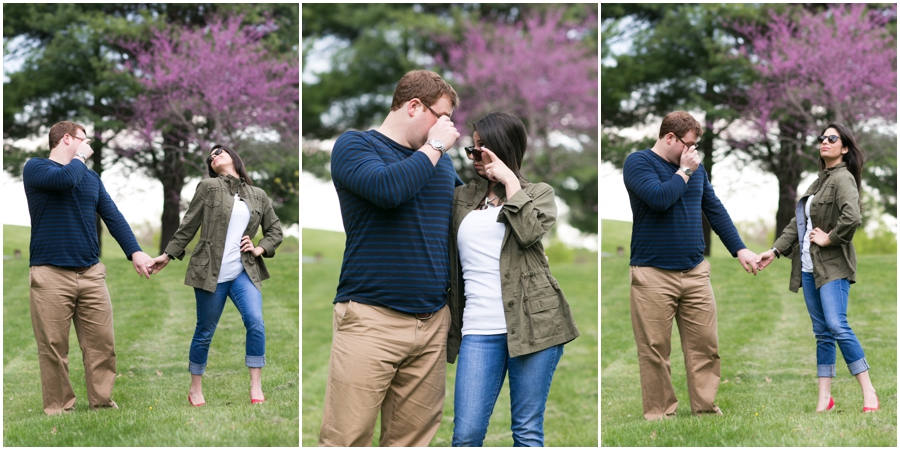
pixel 788 168
pixel 707 150
pixel 173 178
pixel 97 158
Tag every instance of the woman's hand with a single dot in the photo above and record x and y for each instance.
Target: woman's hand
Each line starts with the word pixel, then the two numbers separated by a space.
pixel 247 246
pixel 819 237
pixel 159 263
pixel 765 258
pixel 496 170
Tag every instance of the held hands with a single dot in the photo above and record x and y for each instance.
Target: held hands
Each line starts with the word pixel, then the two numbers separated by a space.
pixel 142 263
pixel 748 259
pixel 444 131
pixel 819 237
pixel 247 246
pixel 159 263
pixel 765 258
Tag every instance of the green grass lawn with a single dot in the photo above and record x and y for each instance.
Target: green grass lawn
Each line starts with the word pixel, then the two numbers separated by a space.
pixel 571 417
pixel 154 323
pixel 768 387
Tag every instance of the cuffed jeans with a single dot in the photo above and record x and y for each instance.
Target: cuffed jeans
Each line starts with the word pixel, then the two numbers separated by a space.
pixel 248 300
pixel 827 308
pixel 483 362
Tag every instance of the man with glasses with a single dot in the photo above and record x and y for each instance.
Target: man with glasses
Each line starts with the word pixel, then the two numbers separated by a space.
pixel 68 281
pixel 390 323
pixel 669 192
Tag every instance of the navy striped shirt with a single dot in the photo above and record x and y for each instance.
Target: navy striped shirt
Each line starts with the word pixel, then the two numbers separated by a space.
pixel 64 201
pixel 396 210
pixel 668 228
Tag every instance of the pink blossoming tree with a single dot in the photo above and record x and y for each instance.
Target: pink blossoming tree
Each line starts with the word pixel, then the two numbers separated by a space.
pixel 838 65
pixel 211 85
pixel 542 69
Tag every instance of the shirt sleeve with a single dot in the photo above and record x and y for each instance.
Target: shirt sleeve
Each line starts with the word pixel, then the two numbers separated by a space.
pixel 357 166
pixel 116 223
pixel 47 176
pixel 641 179
pixel 530 217
pixel 189 224
pixel 718 217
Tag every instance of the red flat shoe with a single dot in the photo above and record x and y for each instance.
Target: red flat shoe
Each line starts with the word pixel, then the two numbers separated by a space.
pixel 877 406
pixel 830 405
pixel 192 402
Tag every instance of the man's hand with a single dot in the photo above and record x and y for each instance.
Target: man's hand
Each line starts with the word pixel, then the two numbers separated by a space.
pixel 690 158
pixel 88 151
pixel 444 131
pixel 247 246
pixel 159 263
pixel 143 263
pixel 748 260
pixel 819 237
pixel 765 258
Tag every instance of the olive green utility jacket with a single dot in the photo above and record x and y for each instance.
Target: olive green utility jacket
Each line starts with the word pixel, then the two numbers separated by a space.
pixel 835 209
pixel 537 313
pixel 210 211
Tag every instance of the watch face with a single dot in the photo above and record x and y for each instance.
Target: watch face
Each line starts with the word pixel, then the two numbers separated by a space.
pixel 436 143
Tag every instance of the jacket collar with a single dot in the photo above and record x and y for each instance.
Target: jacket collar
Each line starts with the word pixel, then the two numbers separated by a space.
pixel 836 167
pixel 234 184
pixel 480 186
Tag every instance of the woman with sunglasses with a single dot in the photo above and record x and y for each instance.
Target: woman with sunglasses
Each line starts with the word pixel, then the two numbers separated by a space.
pixel 507 311
pixel 228 210
pixel 819 240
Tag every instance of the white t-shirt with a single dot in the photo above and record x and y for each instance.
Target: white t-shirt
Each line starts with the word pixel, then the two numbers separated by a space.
pixel 231 256
pixel 806 264
pixel 479 241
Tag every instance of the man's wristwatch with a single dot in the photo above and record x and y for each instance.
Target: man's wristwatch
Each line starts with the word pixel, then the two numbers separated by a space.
pixel 687 171
pixel 438 145
pixel 776 252
pixel 82 156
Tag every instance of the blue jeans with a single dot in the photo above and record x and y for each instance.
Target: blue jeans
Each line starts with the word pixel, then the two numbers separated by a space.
pixel 828 310
pixel 248 300
pixel 483 361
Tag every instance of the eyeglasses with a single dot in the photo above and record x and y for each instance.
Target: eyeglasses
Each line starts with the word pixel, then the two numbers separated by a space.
pixel 212 155
pixel 432 111
pixel 833 138
pixel 86 139
pixel 695 144
pixel 476 153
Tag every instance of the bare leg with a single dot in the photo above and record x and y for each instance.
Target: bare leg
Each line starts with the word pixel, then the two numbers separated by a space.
pixel 256 391
pixel 197 389
pixel 870 400
pixel 824 393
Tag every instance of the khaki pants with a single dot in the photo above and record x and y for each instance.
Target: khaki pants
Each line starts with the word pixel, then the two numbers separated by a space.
pixel 657 296
pixel 389 361
pixel 60 297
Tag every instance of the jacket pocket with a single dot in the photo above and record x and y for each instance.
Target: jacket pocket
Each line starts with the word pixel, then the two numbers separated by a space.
pixel 198 266
pixel 213 197
pixel 543 318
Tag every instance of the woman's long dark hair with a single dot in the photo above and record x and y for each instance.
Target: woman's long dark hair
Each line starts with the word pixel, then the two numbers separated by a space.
pixel 504 134
pixel 238 165
pixel 855 157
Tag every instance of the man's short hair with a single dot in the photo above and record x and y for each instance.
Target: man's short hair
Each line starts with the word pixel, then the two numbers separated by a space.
pixel 61 129
pixel 679 123
pixel 424 85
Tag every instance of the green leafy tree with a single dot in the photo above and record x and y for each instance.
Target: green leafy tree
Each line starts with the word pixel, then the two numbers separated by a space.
pixel 71 58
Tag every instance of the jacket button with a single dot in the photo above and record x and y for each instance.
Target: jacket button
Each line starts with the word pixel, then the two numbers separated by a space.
pixel 507 274
pixel 513 331
pixel 510 304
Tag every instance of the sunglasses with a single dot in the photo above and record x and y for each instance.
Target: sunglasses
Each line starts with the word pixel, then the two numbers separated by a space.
pixel 212 155
pixel 833 138
pixel 476 154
